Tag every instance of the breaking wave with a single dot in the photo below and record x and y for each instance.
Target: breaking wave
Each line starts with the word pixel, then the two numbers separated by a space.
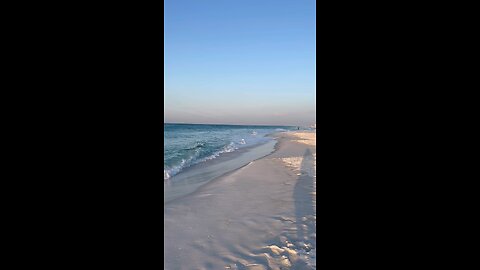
pixel 194 159
pixel 188 144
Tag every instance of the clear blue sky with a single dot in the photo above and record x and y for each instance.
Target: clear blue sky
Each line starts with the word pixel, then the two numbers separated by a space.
pixel 240 61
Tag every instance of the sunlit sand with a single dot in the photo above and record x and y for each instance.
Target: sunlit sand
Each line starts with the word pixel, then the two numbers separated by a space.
pixel 261 216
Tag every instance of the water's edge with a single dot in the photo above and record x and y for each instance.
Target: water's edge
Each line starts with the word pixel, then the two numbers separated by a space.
pixel 199 175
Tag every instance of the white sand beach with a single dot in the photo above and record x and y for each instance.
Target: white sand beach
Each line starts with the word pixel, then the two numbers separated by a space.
pixel 261 216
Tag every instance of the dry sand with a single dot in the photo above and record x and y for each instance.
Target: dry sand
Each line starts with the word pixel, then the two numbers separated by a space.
pixel 261 216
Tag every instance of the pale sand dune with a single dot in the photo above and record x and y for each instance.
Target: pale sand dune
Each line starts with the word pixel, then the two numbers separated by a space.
pixel 261 216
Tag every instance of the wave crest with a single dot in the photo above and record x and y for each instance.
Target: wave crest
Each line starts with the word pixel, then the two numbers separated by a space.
pixel 192 160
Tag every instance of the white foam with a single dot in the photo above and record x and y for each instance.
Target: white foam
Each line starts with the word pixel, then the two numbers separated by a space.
pixel 168 173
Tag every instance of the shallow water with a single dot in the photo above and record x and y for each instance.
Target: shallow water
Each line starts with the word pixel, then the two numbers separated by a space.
pixel 186 145
pixel 200 174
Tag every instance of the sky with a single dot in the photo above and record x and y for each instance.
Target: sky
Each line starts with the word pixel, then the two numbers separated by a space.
pixel 240 62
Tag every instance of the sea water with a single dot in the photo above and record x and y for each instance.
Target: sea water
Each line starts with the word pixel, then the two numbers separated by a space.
pixel 189 144
pixel 195 154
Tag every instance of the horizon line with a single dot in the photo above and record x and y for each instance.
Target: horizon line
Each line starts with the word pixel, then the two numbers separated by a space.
pixel 231 124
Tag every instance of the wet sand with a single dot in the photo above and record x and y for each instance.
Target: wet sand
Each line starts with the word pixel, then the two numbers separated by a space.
pixel 261 216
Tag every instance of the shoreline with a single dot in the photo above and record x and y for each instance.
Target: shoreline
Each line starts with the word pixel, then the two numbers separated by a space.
pixel 198 175
pixel 256 152
pixel 259 216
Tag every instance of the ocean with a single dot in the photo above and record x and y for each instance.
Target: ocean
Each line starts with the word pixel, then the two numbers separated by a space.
pixel 195 154
pixel 189 144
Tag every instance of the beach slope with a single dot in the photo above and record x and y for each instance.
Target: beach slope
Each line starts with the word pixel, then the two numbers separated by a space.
pixel 261 216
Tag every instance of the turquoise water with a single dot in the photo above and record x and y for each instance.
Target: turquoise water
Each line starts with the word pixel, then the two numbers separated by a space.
pixel 188 144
